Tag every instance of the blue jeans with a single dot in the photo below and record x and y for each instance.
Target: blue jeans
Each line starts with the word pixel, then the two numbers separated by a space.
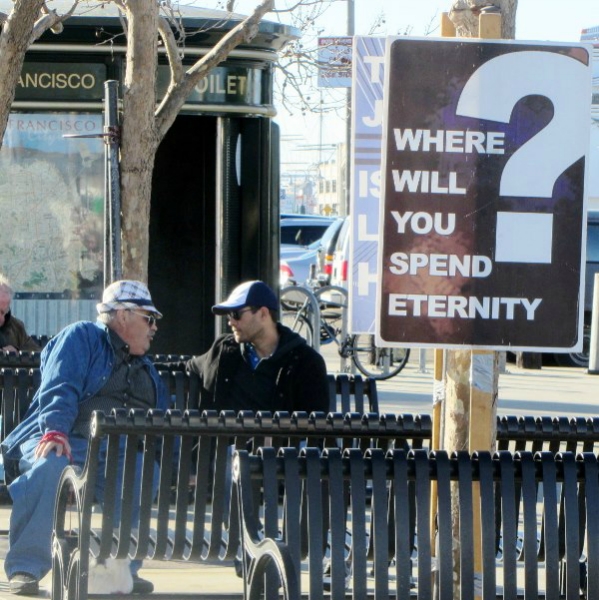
pixel 34 497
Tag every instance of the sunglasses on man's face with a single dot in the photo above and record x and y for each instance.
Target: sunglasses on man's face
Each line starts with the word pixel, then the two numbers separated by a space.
pixel 149 318
pixel 236 315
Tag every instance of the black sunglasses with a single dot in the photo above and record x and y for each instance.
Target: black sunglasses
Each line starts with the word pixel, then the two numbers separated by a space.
pixel 237 314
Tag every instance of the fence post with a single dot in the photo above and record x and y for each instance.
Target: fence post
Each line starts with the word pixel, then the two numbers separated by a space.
pixel 112 252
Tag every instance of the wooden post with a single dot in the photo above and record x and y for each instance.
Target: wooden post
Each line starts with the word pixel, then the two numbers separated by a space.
pixel 484 370
pixel 438 397
pixel 471 379
pixel 447 26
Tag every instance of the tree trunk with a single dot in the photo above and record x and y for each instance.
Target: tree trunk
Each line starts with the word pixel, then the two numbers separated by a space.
pixel 139 141
pixel 14 42
pixel 144 125
pixel 464 14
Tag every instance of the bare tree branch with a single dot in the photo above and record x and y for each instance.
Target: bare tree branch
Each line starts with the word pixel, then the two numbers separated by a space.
pixel 175 97
pixel 172 51
pixel 50 20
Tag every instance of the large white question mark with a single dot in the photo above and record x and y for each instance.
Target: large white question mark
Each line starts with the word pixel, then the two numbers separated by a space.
pixel 495 88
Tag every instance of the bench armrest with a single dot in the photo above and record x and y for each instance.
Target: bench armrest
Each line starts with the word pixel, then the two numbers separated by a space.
pixel 261 555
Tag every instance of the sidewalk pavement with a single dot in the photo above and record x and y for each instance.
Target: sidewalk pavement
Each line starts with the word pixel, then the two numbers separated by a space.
pixel 553 391
pixel 206 581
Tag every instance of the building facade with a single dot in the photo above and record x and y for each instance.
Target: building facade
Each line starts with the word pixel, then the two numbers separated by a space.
pixel 214 209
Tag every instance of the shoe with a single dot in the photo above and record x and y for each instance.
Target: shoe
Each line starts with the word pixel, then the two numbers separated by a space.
pixel 24 584
pixel 141 586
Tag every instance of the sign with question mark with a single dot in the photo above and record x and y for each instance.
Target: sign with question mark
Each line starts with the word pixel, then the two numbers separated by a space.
pixel 483 221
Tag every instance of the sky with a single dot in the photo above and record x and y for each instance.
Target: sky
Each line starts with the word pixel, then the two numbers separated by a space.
pixel 545 20
pixel 536 19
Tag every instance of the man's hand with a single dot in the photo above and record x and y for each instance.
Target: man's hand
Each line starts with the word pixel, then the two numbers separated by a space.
pixel 53 440
pixel 7 349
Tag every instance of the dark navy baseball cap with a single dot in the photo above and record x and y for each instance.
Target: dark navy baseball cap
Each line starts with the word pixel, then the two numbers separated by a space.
pixel 251 293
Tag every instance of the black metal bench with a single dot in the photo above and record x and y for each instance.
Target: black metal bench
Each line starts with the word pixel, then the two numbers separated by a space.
pixel 553 434
pixel 172 528
pixel 391 552
pixel 30 359
pixel 352 393
pixel 19 359
pixel 17 388
pixel 348 393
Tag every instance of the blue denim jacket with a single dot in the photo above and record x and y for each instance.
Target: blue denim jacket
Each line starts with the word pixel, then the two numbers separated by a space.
pixel 74 366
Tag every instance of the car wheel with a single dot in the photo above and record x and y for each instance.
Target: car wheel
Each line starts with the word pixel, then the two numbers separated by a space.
pixel 576 359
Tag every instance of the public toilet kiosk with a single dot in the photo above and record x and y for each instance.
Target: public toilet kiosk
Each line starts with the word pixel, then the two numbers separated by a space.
pixel 214 208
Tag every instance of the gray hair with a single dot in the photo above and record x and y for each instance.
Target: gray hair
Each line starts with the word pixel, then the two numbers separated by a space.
pixel 106 317
pixel 5 286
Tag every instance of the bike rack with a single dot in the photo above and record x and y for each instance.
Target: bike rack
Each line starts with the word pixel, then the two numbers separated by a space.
pixel 314 312
pixel 335 289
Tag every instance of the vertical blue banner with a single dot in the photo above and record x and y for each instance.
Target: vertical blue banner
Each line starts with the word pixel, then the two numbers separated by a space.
pixel 366 143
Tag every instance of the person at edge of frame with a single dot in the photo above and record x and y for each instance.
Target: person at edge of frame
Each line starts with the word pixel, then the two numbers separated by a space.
pixel 13 335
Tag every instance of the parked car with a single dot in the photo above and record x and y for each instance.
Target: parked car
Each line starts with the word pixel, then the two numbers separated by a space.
pixel 295 267
pixel 300 245
pixel 324 267
pixel 303 216
pixel 340 261
pixel 581 359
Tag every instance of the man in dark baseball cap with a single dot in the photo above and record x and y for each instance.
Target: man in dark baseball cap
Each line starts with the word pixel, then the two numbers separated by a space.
pixel 250 293
pixel 262 365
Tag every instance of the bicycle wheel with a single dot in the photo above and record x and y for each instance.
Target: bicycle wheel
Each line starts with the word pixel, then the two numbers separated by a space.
pixel 378 363
pixel 333 302
pixel 294 298
pixel 298 323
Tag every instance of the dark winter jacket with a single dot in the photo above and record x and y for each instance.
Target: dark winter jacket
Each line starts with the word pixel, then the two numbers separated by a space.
pixel 12 333
pixel 294 378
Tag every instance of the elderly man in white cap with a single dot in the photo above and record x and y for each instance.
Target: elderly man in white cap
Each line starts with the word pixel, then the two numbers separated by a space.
pixel 87 366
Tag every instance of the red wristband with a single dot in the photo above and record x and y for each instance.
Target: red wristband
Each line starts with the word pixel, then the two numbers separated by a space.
pixel 58 438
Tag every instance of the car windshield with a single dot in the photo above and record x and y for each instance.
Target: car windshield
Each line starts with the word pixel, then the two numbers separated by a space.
pixel 302 234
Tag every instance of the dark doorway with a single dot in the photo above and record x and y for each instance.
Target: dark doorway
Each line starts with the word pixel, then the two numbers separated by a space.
pixel 183 236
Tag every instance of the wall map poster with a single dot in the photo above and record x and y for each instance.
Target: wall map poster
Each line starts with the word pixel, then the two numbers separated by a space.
pixel 484 155
pixel 52 205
